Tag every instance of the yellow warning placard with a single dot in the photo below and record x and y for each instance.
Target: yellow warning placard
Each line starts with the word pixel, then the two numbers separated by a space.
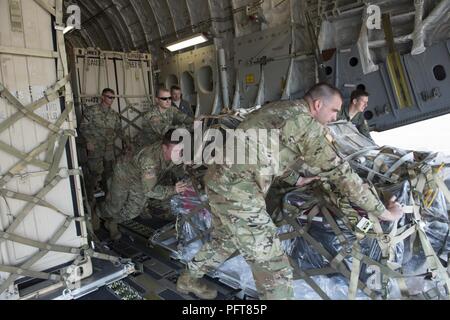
pixel 250 79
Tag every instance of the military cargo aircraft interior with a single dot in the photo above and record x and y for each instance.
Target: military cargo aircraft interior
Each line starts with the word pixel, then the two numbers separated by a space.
pixel 232 150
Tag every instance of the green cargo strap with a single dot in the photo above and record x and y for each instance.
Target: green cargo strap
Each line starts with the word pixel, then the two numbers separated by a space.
pixel 28 273
pixel 19 166
pixel 40 245
pixel 26 198
pixel 27 113
pixel 57 158
pixel 41 194
pixel 49 95
pixel 335 262
pixel 147 94
pixel 371 172
pixel 376 166
pixel 20 155
pixel 32 260
pixel 432 259
pixel 337 231
pixel 300 274
pixel 360 152
pixel 106 257
pixel 400 162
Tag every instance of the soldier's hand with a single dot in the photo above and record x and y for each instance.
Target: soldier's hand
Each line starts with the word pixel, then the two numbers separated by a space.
pixel 394 211
pixel 182 187
pixel 90 146
pixel 305 181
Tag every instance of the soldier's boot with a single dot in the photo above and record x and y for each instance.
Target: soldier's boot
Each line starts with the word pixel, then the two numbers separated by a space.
pixel 188 284
pixel 113 229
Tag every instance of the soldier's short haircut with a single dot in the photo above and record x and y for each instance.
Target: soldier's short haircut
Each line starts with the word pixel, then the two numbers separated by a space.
pixel 108 90
pixel 358 94
pixel 173 88
pixel 163 89
pixel 323 91
pixel 168 140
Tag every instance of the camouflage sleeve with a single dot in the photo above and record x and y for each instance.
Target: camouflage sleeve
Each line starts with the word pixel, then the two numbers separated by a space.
pixel 151 187
pixel 364 129
pixel 87 129
pixel 182 119
pixel 316 146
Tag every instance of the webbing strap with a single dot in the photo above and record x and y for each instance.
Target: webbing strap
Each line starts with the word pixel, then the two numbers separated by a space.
pixel 337 231
pixel 41 194
pixel 57 158
pixel 26 198
pixel 375 168
pixel 40 245
pixel 397 165
pixel 143 79
pixel 35 258
pixel 338 264
pixel 433 260
pixel 106 257
pixel 29 114
pixel 19 166
pixel 29 273
pixel 49 95
pixel 300 274
pixel 21 155
pixel 360 152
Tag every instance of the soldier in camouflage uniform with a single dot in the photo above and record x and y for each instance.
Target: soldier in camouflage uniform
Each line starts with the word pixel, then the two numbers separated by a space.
pixel 163 117
pixel 237 193
pixel 137 180
pixel 100 127
pixel 355 112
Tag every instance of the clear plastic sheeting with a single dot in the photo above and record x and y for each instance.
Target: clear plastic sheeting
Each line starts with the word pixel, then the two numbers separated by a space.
pixel 191 225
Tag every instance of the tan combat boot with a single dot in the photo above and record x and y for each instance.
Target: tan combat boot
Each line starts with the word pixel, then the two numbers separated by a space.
pixel 113 229
pixel 187 284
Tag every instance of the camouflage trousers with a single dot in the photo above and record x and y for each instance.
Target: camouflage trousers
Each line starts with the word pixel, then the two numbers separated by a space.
pixel 247 228
pixel 100 170
pixel 125 199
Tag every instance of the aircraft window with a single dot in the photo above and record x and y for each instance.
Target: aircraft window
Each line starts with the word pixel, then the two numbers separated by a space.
pixel 354 61
pixel 368 115
pixel 205 79
pixel 171 80
pixel 329 70
pixel 361 87
pixel 439 73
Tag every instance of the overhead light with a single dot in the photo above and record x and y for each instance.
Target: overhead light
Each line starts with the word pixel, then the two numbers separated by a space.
pixel 68 29
pixel 186 43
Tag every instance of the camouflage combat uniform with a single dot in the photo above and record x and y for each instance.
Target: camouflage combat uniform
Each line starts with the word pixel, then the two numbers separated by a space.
pixel 157 123
pixel 358 120
pixel 100 127
pixel 136 181
pixel 237 196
